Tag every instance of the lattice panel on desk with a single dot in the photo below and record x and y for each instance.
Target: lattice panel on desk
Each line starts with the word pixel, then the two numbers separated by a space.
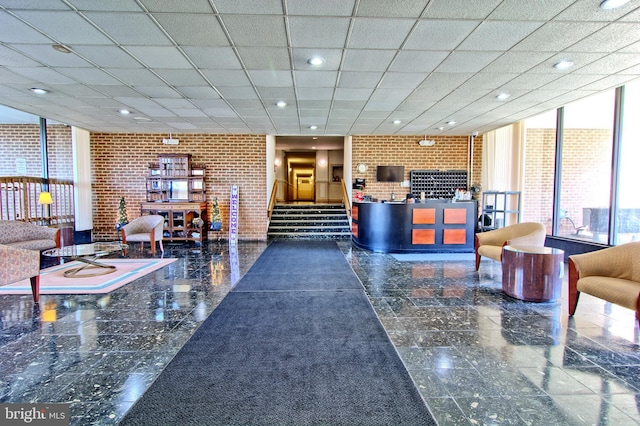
pixel 437 183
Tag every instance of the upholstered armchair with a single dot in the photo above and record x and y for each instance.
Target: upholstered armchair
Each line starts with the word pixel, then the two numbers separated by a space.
pixel 489 244
pixel 17 264
pixel 611 274
pixel 143 229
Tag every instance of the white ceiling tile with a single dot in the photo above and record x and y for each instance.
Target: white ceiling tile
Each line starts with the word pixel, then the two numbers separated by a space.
pixel 173 103
pixel 130 28
pixel 263 7
pixel 106 56
pixel 315 93
pixel 610 38
pixel 359 79
pixel 13 30
pixel 236 92
pixel 275 94
pixel 197 92
pixel 90 76
pixel 367 60
pixel 227 77
pixel 141 76
pixel 439 34
pixel 256 30
pixel 320 8
pixel 260 58
pixel 379 33
pixel 408 8
pixel 315 78
pixel 517 10
pixel 192 6
pixel 498 35
pixel 400 80
pixel 464 62
pixel 344 94
pixel 11 58
pixel 87 5
pixel 160 57
pixel 213 57
pixel 582 10
pixel 190 29
pixel 322 32
pixel 44 54
pixel 557 36
pixel 65 27
pixel 418 61
pixel 157 91
pixel 42 74
pixel 182 77
pixel 517 62
pixel 271 78
pixel 461 9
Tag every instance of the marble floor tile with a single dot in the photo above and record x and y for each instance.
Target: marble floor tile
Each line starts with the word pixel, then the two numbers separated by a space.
pixel 477 356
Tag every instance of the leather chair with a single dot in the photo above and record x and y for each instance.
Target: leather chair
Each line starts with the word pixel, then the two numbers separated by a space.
pixel 489 244
pixel 17 264
pixel 148 228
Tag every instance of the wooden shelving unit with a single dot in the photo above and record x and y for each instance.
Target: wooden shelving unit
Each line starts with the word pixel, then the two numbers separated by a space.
pixel 176 190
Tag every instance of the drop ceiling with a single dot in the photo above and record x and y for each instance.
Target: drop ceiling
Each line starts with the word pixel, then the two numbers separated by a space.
pixel 220 66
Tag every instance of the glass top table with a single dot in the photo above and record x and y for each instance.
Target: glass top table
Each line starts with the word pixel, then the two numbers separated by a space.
pixel 88 255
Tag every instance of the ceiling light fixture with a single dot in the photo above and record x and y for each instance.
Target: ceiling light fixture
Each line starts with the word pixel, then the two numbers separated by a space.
pixel 316 60
pixel 563 65
pixel 502 96
pixel 142 118
pixel 313 127
pixel 451 122
pixel 281 104
pixel 612 4
pixel 61 48
pixel 124 112
pixel 397 121
pixel 38 91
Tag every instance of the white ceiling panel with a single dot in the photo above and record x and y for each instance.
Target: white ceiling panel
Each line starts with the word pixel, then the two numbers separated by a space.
pixel 221 65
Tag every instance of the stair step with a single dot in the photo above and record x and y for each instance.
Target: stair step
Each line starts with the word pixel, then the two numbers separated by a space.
pixel 328 221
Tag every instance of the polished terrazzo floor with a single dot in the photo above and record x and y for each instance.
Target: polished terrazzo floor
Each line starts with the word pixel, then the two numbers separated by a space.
pixel 477 356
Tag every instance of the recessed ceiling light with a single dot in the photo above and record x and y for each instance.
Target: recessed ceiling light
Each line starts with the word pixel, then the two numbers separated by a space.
pixel 502 96
pixel 451 122
pixel 316 60
pixel 314 138
pixel 142 118
pixel 124 112
pixel 281 104
pixel 563 65
pixel 38 91
pixel 61 48
pixel 397 121
pixel 313 127
pixel 440 128
pixel 612 4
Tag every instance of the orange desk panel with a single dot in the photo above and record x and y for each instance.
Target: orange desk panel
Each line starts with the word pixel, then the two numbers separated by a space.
pixel 424 216
pixel 423 236
pixel 454 236
pixel 455 216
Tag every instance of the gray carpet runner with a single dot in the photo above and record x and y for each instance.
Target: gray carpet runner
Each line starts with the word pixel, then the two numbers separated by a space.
pixel 295 343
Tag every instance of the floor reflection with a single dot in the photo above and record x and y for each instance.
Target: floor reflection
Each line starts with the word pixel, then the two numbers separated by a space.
pixel 476 355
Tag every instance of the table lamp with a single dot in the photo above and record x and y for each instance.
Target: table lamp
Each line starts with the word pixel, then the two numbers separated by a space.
pixel 45 199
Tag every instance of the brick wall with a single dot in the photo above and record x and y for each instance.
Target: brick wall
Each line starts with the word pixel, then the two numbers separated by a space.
pixel 120 162
pixel 448 153
pixel 23 141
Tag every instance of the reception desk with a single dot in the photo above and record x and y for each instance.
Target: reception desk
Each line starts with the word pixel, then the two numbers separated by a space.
pixel 430 227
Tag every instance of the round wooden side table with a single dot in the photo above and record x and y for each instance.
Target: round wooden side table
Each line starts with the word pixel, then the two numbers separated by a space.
pixel 533 274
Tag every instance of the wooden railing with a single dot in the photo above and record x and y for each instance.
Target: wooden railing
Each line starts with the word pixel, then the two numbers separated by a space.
pixel 19 200
pixel 272 200
pixel 345 198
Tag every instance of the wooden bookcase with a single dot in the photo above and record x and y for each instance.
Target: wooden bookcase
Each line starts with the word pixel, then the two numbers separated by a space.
pixel 175 178
pixel 176 190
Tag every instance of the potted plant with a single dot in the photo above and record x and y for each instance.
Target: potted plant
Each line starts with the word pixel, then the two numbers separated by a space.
pixel 122 215
pixel 216 218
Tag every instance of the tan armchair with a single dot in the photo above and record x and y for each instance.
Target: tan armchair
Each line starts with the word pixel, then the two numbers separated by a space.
pixel 489 244
pixel 611 274
pixel 143 229
pixel 17 264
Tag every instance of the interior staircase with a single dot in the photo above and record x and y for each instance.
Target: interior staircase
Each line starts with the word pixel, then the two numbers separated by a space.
pixel 327 221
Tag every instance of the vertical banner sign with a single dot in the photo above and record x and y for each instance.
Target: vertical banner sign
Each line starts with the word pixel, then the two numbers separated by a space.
pixel 233 215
